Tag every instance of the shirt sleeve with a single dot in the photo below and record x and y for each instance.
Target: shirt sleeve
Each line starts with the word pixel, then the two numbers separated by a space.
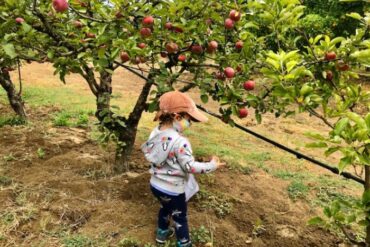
pixel 184 155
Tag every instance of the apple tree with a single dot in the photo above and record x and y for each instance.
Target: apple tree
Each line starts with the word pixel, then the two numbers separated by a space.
pixel 204 39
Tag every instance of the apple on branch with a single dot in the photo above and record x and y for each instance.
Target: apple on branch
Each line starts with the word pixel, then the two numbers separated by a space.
pixel 124 57
pixel 243 112
pixel 330 56
pixel 229 24
pixel 148 21
pixel 172 47
pixel 19 20
pixel 234 15
pixel 60 5
pixel 229 72
pixel 249 85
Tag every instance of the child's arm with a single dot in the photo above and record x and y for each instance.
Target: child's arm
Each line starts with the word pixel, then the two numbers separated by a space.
pixel 184 155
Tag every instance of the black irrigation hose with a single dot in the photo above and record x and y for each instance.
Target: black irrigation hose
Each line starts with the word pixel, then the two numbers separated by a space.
pixel 297 154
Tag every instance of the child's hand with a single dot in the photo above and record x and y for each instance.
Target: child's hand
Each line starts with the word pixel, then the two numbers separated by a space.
pixel 219 164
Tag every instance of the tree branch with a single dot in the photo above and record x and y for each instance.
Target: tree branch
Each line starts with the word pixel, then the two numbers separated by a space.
pixel 88 17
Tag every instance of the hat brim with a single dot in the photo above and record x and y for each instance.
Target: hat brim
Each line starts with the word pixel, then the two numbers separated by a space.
pixel 197 115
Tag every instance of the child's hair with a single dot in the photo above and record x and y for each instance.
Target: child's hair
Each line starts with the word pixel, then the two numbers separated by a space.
pixel 168 118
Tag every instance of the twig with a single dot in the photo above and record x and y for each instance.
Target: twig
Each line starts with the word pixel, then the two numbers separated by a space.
pixel 351 239
pixel 88 17
pixel 20 78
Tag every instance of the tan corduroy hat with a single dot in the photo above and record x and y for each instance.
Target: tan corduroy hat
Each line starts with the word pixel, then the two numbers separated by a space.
pixel 177 102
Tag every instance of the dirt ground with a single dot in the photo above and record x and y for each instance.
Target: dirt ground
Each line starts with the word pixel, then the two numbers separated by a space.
pixel 71 190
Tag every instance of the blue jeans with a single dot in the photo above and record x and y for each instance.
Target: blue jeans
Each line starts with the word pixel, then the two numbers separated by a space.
pixel 175 207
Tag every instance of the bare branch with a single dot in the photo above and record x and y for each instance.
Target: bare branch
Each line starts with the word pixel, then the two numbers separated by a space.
pixel 87 17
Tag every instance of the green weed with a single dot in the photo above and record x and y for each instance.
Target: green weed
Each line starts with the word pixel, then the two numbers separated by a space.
pixel 201 235
pixel 78 241
pixel 258 228
pixel 288 175
pixel 297 190
pixel 129 242
pixel 5 181
pixel 72 119
pixel 9 157
pixel 221 205
pixel 11 121
pixel 40 153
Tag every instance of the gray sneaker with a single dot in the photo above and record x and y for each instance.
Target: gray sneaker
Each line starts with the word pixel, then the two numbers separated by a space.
pixel 163 235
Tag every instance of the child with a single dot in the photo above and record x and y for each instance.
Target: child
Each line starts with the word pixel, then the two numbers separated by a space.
pixel 171 159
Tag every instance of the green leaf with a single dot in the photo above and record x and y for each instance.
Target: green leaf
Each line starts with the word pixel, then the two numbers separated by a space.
pixel 10 50
pixel 331 150
pixel 26 28
pixel 341 125
pixel 343 163
pixel 317 145
pixel 353 15
pixel 357 119
pixel 316 221
pixel 204 98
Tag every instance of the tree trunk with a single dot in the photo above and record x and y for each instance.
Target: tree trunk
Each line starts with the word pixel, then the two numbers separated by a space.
pixel 15 99
pixel 103 95
pixel 367 187
pixel 128 136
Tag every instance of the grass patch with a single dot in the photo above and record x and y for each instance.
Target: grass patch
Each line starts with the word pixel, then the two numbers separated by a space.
pixel 219 203
pixel 78 241
pixel 129 242
pixel 5 181
pixel 201 235
pixel 297 190
pixel 9 157
pixel 288 175
pixel 11 121
pixel 64 97
pixel 72 119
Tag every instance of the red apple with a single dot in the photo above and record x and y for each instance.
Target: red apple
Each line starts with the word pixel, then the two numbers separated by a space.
pixel 229 72
pixel 330 55
pixel 243 112
pixel 19 20
pixel 197 49
pixel 82 4
pixel 145 32
pixel 178 30
pixel 182 58
pixel 142 59
pixel 148 21
pixel 172 47
pixel 329 75
pixel 239 68
pixel 119 15
pixel 229 24
pixel 77 24
pixel 168 26
pixel 249 85
pixel 124 57
pixel 239 45
pixel 91 35
pixel 164 54
pixel 60 5
pixel 234 15
pixel 220 76
pixel 342 66
pixel 135 60
pixel 213 45
pixel 141 45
